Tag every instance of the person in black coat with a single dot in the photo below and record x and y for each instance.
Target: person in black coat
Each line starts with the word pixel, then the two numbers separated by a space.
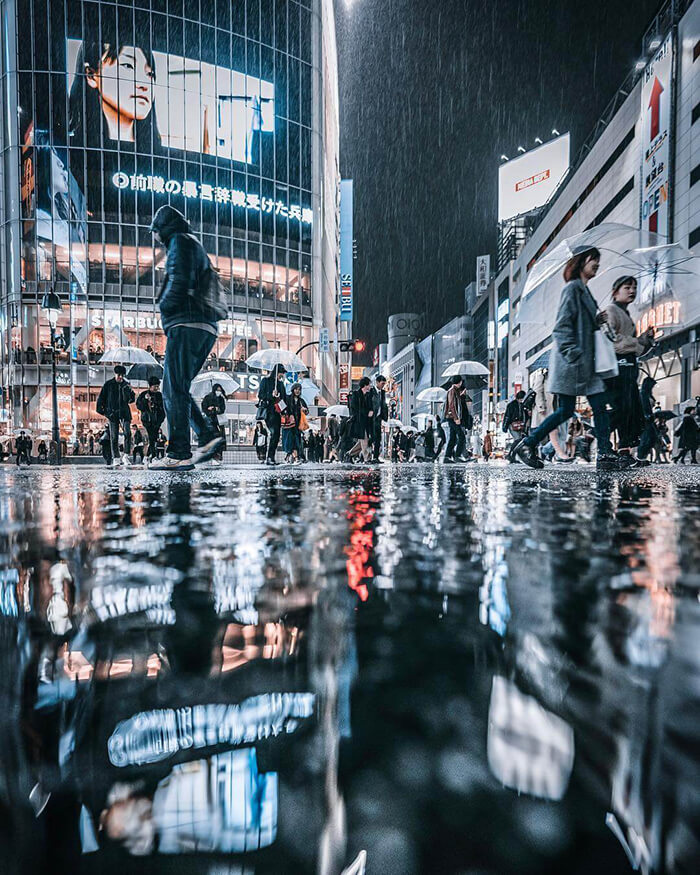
pixel 190 315
pixel 688 435
pixel 361 418
pixel 213 406
pixel 152 410
pixel 429 440
pixel 271 396
pixel 380 413
pixel 23 446
pixel 515 421
pixel 113 403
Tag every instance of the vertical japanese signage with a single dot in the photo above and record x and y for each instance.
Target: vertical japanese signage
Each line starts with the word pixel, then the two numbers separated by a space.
pixel 657 84
pixel 346 250
pixel 324 340
pixel 344 376
pixel 483 273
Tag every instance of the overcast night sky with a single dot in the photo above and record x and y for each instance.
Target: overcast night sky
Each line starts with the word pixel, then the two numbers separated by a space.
pixel 431 94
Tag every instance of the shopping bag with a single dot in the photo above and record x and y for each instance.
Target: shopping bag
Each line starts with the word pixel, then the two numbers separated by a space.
pixel 303 422
pixel 605 359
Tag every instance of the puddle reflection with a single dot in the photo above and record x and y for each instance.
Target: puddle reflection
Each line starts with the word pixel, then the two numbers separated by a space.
pixel 405 670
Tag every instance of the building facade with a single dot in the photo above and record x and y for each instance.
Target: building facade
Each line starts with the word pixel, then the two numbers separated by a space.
pixel 228 112
pixel 616 180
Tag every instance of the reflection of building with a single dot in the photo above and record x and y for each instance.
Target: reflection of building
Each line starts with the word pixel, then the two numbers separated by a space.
pixel 250 155
pixel 606 184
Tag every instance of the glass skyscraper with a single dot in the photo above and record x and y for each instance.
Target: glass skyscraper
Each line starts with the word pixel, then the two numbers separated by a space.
pixel 227 110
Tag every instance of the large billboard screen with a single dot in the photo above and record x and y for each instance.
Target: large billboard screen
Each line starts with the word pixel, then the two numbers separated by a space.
pixel 528 182
pixel 141 108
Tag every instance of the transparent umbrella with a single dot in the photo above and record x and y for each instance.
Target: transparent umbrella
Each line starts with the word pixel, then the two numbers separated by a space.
pixel 466 369
pixel 268 359
pixel 127 355
pixel 616 243
pixel 204 383
pixel 338 410
pixel 393 423
pixel 433 393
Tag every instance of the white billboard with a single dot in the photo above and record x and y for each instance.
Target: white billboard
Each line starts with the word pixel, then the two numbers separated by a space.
pixel 657 83
pixel 529 181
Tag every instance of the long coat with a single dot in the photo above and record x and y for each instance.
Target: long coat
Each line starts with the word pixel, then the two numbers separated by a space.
pixel 572 362
pixel 360 405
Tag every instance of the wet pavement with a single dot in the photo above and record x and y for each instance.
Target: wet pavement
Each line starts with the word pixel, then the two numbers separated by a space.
pixel 468 670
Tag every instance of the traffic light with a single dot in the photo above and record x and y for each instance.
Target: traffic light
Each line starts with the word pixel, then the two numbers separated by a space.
pixel 352 346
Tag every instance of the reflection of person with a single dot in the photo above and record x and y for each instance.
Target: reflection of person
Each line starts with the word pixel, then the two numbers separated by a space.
pixel 118 94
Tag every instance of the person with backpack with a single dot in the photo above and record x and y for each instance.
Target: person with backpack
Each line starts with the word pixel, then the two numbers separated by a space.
pixel 191 307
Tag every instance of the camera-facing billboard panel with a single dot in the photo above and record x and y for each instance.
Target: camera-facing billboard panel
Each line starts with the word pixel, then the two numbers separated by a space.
pixel 528 182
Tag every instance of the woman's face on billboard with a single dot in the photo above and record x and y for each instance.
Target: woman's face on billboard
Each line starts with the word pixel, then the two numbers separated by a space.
pixel 126 89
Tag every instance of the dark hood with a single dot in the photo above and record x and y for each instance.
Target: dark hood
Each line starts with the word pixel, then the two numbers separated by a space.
pixel 168 221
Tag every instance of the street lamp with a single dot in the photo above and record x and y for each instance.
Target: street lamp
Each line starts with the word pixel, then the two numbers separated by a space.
pixel 51 305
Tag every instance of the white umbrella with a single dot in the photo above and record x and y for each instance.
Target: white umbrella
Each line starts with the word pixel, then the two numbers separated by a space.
pixel 268 359
pixel 466 369
pixel 309 390
pixel 127 355
pixel 203 383
pixel 393 423
pixel 338 410
pixel 433 393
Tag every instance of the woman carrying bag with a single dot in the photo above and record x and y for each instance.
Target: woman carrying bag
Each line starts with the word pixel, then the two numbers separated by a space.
pixel 576 365
pixel 292 420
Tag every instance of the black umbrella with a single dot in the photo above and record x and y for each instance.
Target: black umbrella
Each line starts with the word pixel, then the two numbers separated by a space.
pixel 666 415
pixel 142 373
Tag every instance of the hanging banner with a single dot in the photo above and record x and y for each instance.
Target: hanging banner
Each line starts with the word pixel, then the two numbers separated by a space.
pixel 346 250
pixel 657 86
pixel 483 273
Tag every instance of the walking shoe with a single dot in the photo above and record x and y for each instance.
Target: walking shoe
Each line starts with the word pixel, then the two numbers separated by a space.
pixel 448 461
pixel 168 464
pixel 640 463
pixel 270 462
pixel 528 455
pixel 125 461
pixel 562 459
pixel 208 450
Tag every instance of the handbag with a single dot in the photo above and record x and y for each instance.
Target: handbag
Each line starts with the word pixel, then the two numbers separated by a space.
pixel 288 420
pixel 303 422
pixel 606 365
pixel 517 426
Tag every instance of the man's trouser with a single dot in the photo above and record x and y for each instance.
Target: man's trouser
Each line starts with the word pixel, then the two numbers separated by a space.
pixel 186 351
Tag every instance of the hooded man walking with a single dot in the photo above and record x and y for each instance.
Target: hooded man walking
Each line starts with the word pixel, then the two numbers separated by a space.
pixel 190 310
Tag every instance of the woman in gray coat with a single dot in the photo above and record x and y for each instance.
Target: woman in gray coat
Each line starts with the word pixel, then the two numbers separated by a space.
pixel 572 363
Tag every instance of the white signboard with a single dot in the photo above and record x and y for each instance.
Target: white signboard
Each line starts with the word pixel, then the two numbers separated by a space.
pixel 657 81
pixel 483 273
pixel 529 181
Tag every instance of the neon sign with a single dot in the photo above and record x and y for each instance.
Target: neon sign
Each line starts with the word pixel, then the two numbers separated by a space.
pixel 668 313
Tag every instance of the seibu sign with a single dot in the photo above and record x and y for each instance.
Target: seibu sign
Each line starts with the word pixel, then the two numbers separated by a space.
pixel 661 316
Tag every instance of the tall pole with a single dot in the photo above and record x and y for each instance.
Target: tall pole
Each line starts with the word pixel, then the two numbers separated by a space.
pixel 56 432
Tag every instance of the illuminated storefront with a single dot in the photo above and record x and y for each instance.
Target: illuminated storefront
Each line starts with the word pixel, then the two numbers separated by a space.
pixel 230 115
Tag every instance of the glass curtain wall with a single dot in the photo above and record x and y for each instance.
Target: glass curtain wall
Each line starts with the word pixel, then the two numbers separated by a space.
pixel 124 107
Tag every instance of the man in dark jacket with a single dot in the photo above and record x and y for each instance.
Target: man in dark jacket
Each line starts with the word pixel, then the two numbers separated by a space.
pixel 113 402
pixel 150 405
pixel 23 445
pixel 272 395
pixel 380 413
pixel 190 324
pixel 213 406
pixel 515 421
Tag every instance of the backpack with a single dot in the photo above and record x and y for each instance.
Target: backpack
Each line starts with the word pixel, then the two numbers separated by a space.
pixel 212 294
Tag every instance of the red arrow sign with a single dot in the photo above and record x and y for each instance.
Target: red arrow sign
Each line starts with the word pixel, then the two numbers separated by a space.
pixel 654 101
